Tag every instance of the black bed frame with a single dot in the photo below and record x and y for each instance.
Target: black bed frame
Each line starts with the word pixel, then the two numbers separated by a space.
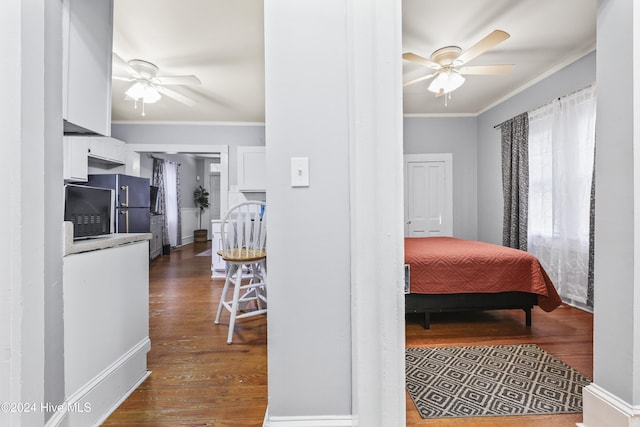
pixel 437 303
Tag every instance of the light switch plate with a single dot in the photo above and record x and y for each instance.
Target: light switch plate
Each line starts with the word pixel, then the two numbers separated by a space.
pixel 299 171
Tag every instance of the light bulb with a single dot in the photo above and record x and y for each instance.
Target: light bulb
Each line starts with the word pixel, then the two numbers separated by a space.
pixel 446 81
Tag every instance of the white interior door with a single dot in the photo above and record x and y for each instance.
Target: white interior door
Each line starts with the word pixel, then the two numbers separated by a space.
pixel 428 195
pixel 217 185
pixel 214 193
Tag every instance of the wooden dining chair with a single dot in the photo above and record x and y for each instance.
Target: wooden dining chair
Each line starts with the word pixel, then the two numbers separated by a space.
pixel 244 237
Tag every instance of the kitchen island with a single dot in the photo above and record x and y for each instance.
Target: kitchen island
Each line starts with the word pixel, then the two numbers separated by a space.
pixel 106 323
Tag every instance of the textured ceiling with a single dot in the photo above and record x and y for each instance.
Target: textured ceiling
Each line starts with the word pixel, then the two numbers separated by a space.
pixel 221 42
pixel 545 35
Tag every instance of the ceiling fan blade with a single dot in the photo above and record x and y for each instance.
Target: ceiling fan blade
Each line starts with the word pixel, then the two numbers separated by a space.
pixel 177 96
pixel 120 64
pixel 117 60
pixel 124 79
pixel 420 60
pixel 177 80
pixel 419 79
pixel 490 41
pixel 486 69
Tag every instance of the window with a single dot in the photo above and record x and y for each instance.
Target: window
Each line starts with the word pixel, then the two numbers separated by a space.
pixel 561 154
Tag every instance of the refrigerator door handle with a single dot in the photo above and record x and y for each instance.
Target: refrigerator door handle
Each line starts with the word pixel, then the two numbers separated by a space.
pixel 126 220
pixel 126 196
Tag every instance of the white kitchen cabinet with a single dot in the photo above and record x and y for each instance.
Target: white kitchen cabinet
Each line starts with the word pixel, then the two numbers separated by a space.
pixel 155 244
pixel 75 165
pixel 106 328
pixel 252 169
pixel 78 151
pixel 107 150
pixel 87 53
pixel 218 265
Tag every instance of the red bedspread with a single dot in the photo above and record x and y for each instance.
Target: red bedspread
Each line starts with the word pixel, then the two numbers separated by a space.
pixel 447 265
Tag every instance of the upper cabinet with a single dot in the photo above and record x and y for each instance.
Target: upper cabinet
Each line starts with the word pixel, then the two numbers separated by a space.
pixel 252 169
pixel 87 53
pixel 106 149
pixel 80 152
pixel 75 165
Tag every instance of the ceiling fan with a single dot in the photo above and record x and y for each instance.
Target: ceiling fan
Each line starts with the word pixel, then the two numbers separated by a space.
pixel 148 86
pixel 448 64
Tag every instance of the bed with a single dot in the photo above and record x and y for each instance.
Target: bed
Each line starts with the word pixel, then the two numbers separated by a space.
pixel 450 274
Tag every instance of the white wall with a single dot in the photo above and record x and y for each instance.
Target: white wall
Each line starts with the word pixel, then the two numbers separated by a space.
pixel 52 215
pixel 309 308
pixel 575 76
pixel 617 285
pixel 333 94
pixel 456 135
pixel 31 353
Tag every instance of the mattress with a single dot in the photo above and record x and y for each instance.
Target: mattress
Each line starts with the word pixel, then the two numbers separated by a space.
pixel 448 265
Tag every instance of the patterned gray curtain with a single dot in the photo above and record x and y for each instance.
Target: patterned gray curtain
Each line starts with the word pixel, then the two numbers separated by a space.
pixel 515 181
pixel 592 222
pixel 158 181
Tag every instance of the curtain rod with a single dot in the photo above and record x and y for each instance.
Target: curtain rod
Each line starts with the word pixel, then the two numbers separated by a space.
pixel 160 158
pixel 557 99
pixel 500 124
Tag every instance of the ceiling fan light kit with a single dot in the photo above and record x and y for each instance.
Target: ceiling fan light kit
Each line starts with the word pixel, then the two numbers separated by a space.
pixel 446 64
pixel 148 87
pixel 144 91
pixel 446 81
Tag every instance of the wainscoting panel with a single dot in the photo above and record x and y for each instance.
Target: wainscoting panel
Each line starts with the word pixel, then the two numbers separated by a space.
pixel 189 218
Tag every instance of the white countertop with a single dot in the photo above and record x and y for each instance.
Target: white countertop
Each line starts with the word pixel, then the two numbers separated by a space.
pixel 94 244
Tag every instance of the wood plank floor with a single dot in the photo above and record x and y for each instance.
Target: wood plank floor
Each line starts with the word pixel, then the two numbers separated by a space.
pixel 198 380
pixel 566 333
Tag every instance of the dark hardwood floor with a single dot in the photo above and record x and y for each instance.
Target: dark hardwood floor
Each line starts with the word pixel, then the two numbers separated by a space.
pixel 566 333
pixel 198 380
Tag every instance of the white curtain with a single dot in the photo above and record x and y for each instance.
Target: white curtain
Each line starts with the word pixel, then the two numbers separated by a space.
pixel 171 200
pixel 561 154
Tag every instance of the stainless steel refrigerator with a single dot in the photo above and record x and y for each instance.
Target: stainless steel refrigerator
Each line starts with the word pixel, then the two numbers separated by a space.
pixel 132 200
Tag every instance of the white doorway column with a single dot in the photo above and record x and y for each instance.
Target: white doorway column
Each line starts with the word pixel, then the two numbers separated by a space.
pixel 613 399
pixel 31 309
pixel 336 307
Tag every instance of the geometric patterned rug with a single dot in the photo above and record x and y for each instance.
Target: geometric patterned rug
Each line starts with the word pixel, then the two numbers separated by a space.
pixel 473 381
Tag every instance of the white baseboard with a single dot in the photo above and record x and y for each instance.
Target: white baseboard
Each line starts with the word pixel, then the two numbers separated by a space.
pixel 122 399
pixel 602 409
pixel 95 401
pixel 308 421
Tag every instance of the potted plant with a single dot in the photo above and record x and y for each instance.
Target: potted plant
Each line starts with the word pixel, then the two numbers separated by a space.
pixel 201 200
